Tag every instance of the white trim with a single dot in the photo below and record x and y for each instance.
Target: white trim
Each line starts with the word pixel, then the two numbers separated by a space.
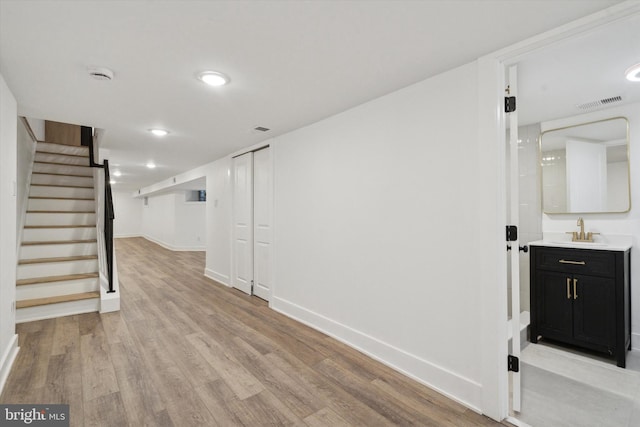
pixel 463 390
pixel 176 248
pixel 125 236
pixel 218 277
pixel 7 360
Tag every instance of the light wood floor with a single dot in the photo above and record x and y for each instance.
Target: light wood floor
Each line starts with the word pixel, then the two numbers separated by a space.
pixel 186 351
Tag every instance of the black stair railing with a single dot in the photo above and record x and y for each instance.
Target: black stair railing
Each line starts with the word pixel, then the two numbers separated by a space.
pixel 87 140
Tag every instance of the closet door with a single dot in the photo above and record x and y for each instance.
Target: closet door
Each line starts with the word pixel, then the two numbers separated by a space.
pixel 262 222
pixel 242 264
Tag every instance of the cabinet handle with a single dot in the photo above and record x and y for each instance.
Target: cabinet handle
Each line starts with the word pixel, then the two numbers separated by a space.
pixel 564 261
pixel 568 288
pixel 575 291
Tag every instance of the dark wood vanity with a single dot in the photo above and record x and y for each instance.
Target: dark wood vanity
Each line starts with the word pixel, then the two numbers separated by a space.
pixel 581 297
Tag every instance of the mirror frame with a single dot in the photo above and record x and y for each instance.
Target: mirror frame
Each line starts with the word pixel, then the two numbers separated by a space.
pixel 626 121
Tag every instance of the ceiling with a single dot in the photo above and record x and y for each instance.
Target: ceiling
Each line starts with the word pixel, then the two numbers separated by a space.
pixel 553 81
pixel 291 63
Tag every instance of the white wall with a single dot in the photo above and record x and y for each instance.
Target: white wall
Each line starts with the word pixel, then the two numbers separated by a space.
pixel 376 236
pixel 25 153
pixel 218 264
pixel 172 222
pixel 610 224
pixel 375 233
pixel 8 223
pixel 128 214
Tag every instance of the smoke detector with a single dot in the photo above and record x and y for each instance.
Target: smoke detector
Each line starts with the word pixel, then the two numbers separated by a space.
pixel 100 73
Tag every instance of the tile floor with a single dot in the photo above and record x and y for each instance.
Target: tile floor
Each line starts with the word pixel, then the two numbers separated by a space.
pixel 562 387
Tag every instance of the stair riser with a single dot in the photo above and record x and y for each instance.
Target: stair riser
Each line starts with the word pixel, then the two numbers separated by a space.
pixel 65 170
pixel 60 219
pixel 62 149
pixel 29 271
pixel 45 290
pixel 44 191
pixel 74 181
pixel 58 250
pixel 57 310
pixel 61 205
pixel 57 234
pixel 57 158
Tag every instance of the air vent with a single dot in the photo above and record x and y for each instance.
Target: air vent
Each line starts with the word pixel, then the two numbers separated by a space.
pixel 599 103
pixel 261 129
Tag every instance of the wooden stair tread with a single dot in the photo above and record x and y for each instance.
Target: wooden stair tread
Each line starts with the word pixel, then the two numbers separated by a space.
pixel 57 242
pixel 60 212
pixel 57 259
pixel 51 279
pixel 57 299
pixel 62 174
pixel 60 198
pixel 57 185
pixel 61 164
pixel 60 226
pixel 55 153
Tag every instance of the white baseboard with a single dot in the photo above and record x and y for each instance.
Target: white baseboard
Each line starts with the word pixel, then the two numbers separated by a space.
pixel 124 236
pixel 214 275
pixel 176 248
pixel 6 362
pixel 463 390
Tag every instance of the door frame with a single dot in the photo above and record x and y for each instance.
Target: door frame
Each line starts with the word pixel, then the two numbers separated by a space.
pixel 490 151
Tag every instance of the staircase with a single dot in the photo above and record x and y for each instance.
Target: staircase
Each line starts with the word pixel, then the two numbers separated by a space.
pixel 58 262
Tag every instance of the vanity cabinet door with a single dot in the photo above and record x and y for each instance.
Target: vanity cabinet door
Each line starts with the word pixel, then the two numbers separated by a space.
pixel 554 305
pixel 594 311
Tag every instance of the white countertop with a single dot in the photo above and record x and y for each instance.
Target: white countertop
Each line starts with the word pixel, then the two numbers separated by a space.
pixel 611 242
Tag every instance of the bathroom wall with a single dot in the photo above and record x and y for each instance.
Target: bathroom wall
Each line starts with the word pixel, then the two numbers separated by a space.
pixel 610 224
pixel 530 218
pixel 530 211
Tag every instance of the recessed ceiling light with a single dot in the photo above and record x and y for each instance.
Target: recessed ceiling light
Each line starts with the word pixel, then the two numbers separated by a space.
pixel 117 173
pixel 213 78
pixel 151 165
pixel 159 132
pixel 633 73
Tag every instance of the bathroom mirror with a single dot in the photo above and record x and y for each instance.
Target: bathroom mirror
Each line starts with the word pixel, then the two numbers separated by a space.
pixel 585 168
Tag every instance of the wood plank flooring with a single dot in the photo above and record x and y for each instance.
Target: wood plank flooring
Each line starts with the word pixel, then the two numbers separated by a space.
pixel 187 351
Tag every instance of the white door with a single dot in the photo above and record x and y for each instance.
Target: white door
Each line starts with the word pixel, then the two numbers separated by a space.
pixel 513 212
pixel 242 260
pixel 262 199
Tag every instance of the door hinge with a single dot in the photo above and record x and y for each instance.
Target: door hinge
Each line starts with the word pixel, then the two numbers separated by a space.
pixel 509 104
pixel 513 363
pixel 512 233
pixel 251 287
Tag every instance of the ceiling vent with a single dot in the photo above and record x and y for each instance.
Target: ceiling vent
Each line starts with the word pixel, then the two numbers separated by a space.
pixel 261 129
pixel 599 103
pixel 99 73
